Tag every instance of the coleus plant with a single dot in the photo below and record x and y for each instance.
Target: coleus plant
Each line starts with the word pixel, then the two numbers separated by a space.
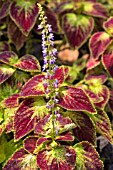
pixel 56 122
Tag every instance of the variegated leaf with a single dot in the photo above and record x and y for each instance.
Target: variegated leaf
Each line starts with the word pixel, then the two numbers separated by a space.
pixel 24 14
pixel 92 63
pixel 62 157
pixel 108 26
pixel 27 115
pixel 5 72
pixel 107 59
pixel 15 35
pixel 87 157
pixel 34 87
pixel 84 127
pixel 30 143
pixel 77 28
pixel 28 63
pixel 21 160
pixel 111 101
pixel 98 44
pixel 103 124
pixel 11 101
pixel 95 80
pixel 75 99
pixel 95 9
pixel 4 46
pixel 8 57
pixel 4 9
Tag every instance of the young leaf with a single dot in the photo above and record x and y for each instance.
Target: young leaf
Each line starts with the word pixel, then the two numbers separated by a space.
pixel 98 44
pixel 77 28
pixel 34 87
pixel 28 63
pixel 103 125
pixel 5 72
pixel 95 9
pixel 24 14
pixel 75 99
pixel 27 115
pixel 62 157
pixel 87 157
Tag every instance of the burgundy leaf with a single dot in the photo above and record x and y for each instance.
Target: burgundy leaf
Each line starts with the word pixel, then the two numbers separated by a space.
pixel 4 46
pixel 66 136
pixel 94 97
pixel 62 158
pixel 88 155
pixel 103 125
pixel 77 28
pixel 25 119
pixel 104 94
pixel 8 57
pixel 98 44
pixel 108 26
pixel 28 63
pixel 61 74
pixel 92 63
pixel 34 87
pixel 52 19
pixel 15 35
pixel 95 9
pixel 11 101
pixel 30 144
pixel 24 15
pixel 4 9
pixel 14 162
pixel 85 128
pixel 75 99
pixel 107 59
pixel 5 72
pixel 27 115
pixel 42 140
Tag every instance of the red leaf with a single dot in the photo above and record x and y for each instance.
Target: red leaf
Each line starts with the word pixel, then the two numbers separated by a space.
pixel 24 15
pixel 34 87
pixel 98 44
pixel 62 158
pixel 77 28
pixel 111 100
pixel 30 144
pixel 98 79
pixel 75 99
pixel 28 63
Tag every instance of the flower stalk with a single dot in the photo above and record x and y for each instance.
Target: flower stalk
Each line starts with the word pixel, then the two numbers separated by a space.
pixel 49 66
